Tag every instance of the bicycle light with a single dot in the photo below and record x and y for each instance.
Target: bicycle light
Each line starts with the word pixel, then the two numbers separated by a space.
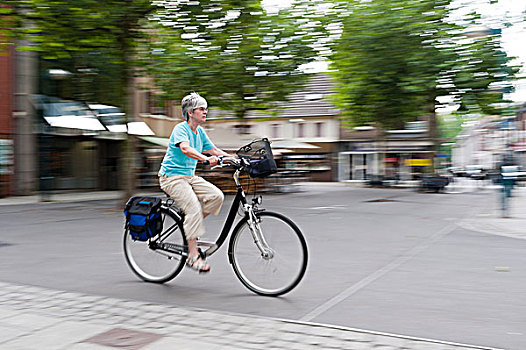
pixel 257 200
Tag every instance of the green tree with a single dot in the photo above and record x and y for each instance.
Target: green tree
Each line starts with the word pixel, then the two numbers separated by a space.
pixel 233 52
pixel 7 25
pixel 395 58
pixel 85 31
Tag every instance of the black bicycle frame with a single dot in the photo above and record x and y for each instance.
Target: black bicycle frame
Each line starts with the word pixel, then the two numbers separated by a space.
pixel 240 199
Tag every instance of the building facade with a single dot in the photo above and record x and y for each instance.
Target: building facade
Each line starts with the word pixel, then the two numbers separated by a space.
pixel 487 142
pixel 7 134
pixel 18 146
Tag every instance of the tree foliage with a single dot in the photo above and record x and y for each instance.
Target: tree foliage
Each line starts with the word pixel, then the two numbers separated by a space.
pixel 395 58
pixel 233 52
pixel 85 32
pixel 84 36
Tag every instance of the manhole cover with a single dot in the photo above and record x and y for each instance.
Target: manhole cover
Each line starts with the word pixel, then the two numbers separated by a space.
pixel 124 339
pixel 380 200
pixel 3 244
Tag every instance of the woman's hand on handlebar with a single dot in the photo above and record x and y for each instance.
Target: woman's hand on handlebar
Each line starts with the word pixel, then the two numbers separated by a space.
pixel 231 160
pixel 221 161
pixel 212 160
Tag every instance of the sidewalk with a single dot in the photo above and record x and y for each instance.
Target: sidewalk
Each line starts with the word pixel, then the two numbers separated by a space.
pixel 38 318
pixel 492 222
pixel 61 197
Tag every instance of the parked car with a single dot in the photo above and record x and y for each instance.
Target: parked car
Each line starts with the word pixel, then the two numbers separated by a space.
pixel 433 183
pixel 375 181
pixel 476 172
pixel 457 171
pixel 381 181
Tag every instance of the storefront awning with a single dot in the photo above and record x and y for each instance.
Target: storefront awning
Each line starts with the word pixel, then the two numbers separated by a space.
pixel 93 117
pixel 114 120
pixel 139 128
pixel 75 122
pixel 67 114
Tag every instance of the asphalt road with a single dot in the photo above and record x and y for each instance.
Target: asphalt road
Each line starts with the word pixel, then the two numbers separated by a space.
pixel 389 260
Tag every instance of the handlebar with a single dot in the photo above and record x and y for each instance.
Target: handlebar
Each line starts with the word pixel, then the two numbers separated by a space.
pixel 222 162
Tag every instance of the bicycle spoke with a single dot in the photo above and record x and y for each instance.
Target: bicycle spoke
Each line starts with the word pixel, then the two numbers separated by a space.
pixel 154 264
pixel 283 269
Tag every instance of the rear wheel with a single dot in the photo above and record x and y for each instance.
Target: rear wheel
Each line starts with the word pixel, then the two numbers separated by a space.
pixel 151 263
pixel 283 263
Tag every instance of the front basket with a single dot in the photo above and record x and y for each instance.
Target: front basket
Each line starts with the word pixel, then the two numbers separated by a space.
pixel 261 161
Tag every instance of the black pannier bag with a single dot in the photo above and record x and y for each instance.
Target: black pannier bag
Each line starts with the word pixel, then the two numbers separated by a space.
pixel 260 158
pixel 143 217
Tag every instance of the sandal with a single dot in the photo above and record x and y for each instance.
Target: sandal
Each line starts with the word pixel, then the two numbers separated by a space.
pixel 198 264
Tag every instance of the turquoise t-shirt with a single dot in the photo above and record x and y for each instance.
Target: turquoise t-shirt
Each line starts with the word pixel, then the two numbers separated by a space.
pixel 175 162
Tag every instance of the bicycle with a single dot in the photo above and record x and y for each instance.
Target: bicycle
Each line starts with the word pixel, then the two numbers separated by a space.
pixel 267 250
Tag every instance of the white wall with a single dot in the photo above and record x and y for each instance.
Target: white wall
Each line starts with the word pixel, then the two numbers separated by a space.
pixel 288 129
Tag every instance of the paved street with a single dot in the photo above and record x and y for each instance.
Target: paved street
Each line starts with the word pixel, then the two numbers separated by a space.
pixel 408 265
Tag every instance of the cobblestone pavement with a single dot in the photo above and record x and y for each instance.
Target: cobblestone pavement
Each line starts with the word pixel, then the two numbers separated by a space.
pixel 38 318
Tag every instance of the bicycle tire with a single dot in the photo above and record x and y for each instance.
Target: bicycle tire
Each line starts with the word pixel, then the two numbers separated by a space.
pixel 152 265
pixel 269 276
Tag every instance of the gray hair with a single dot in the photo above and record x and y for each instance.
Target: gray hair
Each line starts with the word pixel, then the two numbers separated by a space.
pixel 191 102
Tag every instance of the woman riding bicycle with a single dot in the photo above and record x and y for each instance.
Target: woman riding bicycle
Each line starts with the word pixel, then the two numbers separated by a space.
pixel 194 195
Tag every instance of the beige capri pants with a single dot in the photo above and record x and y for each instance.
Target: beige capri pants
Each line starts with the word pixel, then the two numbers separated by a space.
pixel 196 197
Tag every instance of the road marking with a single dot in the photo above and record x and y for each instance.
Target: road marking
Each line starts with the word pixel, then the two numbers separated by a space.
pixel 376 275
pixel 337 206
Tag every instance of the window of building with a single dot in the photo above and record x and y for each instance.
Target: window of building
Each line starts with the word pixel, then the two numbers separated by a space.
pixel 168 109
pixel 275 131
pixel 242 128
pixel 300 130
pixel 319 129
pixel 143 102
pixel 155 104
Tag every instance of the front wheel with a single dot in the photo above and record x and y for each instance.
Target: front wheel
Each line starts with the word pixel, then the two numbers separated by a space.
pixel 161 258
pixel 280 266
